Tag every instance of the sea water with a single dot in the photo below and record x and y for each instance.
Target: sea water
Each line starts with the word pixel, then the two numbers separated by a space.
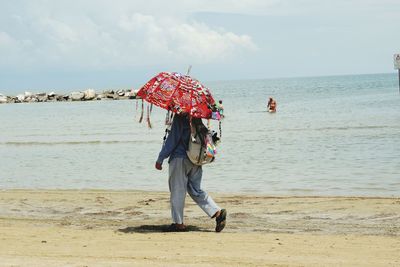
pixel 337 135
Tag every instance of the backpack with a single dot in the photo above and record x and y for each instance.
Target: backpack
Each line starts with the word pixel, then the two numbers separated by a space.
pixel 198 152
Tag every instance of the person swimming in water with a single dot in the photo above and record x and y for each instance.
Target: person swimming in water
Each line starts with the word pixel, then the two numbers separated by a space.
pixel 271 105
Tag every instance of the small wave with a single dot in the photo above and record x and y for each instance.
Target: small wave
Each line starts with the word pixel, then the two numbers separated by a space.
pixel 344 128
pixel 358 188
pixel 93 142
pixel 259 111
pixel 81 134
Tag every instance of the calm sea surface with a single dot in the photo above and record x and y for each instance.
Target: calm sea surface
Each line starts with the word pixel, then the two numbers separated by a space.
pixel 336 135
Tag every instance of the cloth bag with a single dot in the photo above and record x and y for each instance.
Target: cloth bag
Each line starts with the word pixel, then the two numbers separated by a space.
pixel 200 153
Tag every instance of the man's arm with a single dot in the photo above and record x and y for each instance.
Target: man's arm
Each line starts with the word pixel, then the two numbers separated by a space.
pixel 172 141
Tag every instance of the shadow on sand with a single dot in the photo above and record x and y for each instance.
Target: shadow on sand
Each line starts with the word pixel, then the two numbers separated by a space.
pixel 158 229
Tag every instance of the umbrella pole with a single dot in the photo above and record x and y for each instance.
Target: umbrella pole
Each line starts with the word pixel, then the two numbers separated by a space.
pixel 220 129
pixel 189 69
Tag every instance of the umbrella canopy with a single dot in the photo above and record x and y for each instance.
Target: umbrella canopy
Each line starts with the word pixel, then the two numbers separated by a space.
pixel 179 94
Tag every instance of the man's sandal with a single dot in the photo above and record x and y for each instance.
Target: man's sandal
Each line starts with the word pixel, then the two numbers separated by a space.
pixel 175 228
pixel 221 221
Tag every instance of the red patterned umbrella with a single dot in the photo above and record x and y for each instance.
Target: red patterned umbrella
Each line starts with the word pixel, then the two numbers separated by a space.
pixel 178 93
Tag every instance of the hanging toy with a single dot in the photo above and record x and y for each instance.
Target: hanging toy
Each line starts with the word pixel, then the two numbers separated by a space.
pixel 141 114
pixel 148 117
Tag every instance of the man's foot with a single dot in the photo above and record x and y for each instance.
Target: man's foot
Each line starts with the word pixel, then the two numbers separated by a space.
pixel 220 220
pixel 177 227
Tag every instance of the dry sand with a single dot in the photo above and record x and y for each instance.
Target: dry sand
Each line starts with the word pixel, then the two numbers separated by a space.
pixel 125 228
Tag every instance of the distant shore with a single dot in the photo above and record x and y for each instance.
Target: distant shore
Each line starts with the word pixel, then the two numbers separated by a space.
pixel 126 228
pixel 86 95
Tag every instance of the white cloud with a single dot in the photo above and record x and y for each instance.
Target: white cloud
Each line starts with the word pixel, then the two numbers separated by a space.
pixel 137 22
pixel 12 50
pixel 6 40
pixel 58 30
pixel 104 36
pixel 198 41
pixel 172 39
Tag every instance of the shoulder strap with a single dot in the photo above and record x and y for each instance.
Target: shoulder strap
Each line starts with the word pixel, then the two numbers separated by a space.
pixel 168 123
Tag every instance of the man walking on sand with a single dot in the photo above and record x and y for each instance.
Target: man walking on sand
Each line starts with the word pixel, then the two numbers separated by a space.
pixel 185 177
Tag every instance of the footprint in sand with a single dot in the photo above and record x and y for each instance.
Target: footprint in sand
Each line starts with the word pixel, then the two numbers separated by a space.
pixel 103 200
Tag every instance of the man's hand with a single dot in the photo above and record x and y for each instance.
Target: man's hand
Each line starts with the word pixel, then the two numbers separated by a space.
pixel 158 166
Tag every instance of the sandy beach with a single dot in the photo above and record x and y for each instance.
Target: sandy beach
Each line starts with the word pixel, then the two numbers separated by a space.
pixel 126 228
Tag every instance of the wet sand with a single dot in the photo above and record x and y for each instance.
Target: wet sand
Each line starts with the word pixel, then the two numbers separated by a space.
pixel 126 228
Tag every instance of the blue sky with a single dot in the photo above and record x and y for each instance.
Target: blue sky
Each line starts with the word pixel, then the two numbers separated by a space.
pixel 62 45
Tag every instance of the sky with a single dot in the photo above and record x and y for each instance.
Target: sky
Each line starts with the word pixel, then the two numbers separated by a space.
pixel 67 44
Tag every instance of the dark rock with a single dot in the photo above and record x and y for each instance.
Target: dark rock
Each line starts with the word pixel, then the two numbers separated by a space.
pixel 42 97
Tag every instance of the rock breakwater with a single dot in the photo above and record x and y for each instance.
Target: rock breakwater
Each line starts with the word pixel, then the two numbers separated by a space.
pixel 86 95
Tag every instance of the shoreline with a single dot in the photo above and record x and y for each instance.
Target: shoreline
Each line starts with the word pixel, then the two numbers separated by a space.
pixel 222 193
pixel 126 228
